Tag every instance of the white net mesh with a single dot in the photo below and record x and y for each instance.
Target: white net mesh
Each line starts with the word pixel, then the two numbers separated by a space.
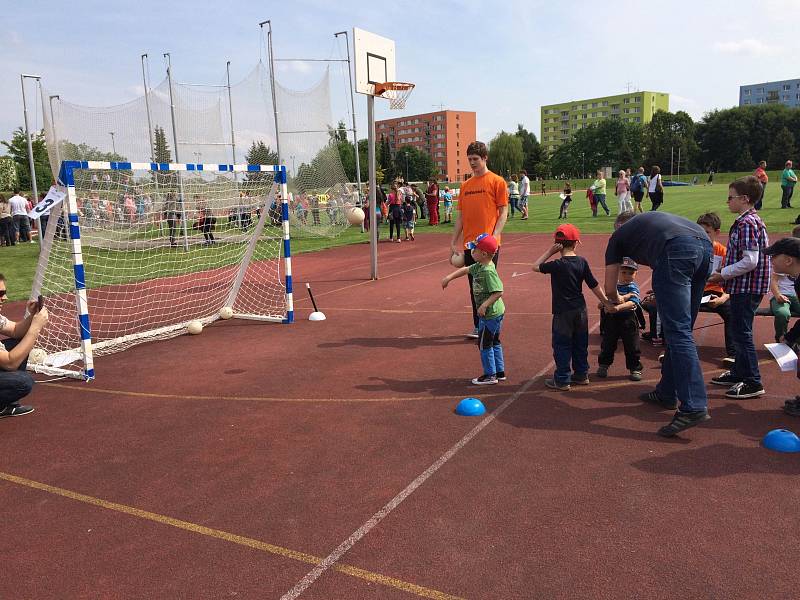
pixel 209 120
pixel 161 250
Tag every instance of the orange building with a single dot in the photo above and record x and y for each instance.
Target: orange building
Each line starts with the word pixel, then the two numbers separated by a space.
pixel 444 135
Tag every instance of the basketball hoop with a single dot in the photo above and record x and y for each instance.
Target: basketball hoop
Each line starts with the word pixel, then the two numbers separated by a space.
pixel 396 92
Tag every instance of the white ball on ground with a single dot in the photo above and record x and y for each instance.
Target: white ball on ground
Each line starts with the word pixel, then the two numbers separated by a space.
pixel 37 356
pixel 194 327
pixel 457 259
pixel 226 312
pixel 355 216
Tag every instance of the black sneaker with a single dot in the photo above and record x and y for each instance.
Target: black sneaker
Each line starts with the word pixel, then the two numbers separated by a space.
pixel 728 361
pixel 745 390
pixel 580 380
pixel 602 371
pixel 654 398
pixel 485 380
pixel 682 421
pixel 556 385
pixel 501 375
pixel 636 375
pixel 726 379
pixel 15 410
pixel 792 407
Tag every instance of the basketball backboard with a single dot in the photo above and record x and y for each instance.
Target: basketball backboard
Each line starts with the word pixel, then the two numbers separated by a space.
pixel 374 60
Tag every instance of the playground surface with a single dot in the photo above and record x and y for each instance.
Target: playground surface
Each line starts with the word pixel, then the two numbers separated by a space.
pixel 324 460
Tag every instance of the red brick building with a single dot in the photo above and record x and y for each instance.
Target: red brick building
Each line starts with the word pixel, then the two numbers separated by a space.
pixel 444 135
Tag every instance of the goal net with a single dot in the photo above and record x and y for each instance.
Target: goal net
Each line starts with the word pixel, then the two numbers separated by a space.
pixel 138 251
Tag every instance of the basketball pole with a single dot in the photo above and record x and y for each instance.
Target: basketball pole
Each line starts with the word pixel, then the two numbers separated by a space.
pixel 373 217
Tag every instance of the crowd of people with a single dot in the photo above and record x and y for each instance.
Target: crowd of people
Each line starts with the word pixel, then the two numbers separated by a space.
pixel 15 225
pixel 690 269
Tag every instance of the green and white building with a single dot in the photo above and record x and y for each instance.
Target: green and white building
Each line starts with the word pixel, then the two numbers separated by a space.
pixel 560 121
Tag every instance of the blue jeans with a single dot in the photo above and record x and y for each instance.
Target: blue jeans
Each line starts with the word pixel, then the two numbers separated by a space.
pixel 601 200
pixel 743 311
pixel 571 345
pixel 679 279
pixel 489 345
pixel 14 385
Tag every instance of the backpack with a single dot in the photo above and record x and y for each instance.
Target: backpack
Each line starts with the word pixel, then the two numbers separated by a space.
pixel 636 183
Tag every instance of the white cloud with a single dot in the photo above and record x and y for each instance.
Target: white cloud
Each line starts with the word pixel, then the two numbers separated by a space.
pixel 747 47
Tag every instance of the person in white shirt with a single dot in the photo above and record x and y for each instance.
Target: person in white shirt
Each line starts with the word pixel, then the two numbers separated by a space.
pixel 524 190
pixel 19 213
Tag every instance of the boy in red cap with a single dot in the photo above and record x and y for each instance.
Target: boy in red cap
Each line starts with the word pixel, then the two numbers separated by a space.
pixel 487 290
pixel 570 321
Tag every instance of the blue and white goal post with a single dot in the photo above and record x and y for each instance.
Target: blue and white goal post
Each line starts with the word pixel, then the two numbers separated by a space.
pixel 142 251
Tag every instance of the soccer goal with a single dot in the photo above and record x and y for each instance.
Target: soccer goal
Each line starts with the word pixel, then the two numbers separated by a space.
pixel 137 252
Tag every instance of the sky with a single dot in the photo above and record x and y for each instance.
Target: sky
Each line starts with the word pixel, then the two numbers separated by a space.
pixel 501 59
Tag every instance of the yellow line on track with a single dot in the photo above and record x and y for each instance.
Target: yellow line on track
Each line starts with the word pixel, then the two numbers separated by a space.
pixel 232 538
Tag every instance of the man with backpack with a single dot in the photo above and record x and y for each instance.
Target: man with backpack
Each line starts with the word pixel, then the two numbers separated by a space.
pixel 638 185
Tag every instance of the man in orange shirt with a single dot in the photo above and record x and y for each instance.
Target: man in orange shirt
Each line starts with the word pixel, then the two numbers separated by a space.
pixel 482 208
pixel 719 299
pixel 763 178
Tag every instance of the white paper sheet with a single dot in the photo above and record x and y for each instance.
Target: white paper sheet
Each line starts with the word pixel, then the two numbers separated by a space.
pixel 784 356
pixel 705 299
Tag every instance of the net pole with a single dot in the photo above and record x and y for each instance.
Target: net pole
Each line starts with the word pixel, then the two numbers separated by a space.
pixel 287 251
pixel 272 87
pixel 373 218
pixel 55 135
pixel 22 78
pixel 352 107
pixel 230 112
pixel 147 109
pixel 177 160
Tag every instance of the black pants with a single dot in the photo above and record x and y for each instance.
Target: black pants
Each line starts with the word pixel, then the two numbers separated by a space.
pixel 14 385
pixel 760 201
pixel 7 231
pixel 724 311
pixel 657 198
pixel 618 326
pixel 562 212
pixel 171 227
pixel 468 260
pixel 786 197
pixel 395 219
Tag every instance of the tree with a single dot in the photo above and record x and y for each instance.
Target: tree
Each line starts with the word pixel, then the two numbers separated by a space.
pixel 339 134
pixel 17 149
pixel 8 174
pixel 260 154
pixel 384 158
pixel 533 156
pixel 505 154
pixel 413 164
pixel 783 148
pixel 83 151
pixel 664 135
pixel 161 147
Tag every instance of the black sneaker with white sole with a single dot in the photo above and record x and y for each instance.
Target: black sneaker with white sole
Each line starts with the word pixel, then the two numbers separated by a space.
pixel 15 410
pixel 726 379
pixel 745 389
pixel 485 380
pixel 682 421
pixel 501 375
pixel 654 398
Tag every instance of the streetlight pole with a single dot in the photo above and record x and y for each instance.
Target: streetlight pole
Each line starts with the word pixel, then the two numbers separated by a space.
pixel 22 79
pixel 113 145
pixel 293 171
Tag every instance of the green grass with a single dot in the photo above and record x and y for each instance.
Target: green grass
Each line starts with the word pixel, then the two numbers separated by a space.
pixel 19 262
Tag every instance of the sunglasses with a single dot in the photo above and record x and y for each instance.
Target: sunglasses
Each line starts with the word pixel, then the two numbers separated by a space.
pixel 3 293
pixel 734 197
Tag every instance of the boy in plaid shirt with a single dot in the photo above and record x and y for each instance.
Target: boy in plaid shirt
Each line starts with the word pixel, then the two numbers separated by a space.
pixel 746 275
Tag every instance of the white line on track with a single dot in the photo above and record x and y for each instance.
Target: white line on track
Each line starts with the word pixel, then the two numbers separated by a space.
pixel 379 516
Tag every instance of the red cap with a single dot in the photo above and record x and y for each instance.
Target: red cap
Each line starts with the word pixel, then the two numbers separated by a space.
pixel 486 242
pixel 567 233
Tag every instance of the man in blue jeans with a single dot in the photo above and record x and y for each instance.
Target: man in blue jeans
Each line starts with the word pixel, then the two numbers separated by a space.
pixel 679 252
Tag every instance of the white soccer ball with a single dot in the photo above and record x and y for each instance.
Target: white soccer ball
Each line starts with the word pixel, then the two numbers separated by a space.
pixel 37 356
pixel 355 216
pixel 226 312
pixel 457 259
pixel 194 327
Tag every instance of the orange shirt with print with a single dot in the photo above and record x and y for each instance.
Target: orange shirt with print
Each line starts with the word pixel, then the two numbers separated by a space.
pixel 762 175
pixel 719 260
pixel 479 201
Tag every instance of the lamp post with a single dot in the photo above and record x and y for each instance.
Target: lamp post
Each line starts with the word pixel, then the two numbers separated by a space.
pixel 406 155
pixel 294 174
pixel 113 145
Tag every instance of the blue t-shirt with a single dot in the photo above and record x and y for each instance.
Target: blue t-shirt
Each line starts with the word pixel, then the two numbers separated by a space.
pixel 630 288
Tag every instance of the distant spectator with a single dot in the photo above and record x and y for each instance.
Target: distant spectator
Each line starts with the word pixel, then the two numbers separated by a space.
pixel 655 188
pixel 513 195
pixel 788 181
pixel 710 180
pixel 623 191
pixel 7 237
pixel 19 213
pixel 447 198
pixel 638 187
pixel 763 179
pixel 524 191
pixel 599 191
pixel 432 200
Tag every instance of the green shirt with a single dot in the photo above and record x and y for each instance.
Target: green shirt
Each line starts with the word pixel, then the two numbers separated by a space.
pixel 485 282
pixel 785 181
pixel 599 186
